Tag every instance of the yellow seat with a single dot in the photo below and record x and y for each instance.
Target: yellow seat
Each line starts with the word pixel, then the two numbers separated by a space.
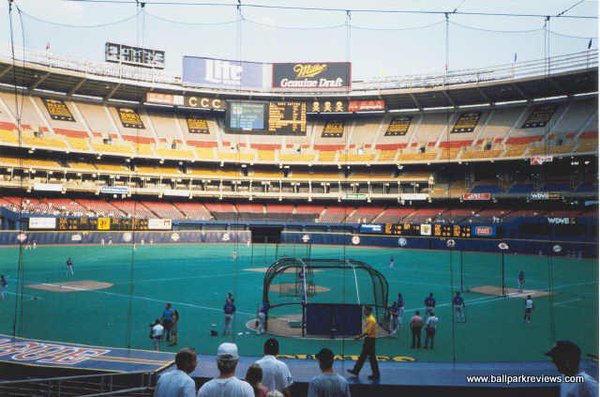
pixel 45 141
pixel 78 143
pixel 266 155
pixel 205 153
pixel 515 150
pixel 305 157
pixel 9 136
pixel 175 153
pixel 387 155
pixel 327 155
pixel 481 154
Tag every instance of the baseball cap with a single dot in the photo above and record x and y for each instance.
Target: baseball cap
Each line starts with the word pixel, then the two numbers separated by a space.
pixel 564 349
pixel 227 351
pixel 325 355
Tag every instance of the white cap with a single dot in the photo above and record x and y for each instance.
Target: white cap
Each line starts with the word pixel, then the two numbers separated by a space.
pixel 227 351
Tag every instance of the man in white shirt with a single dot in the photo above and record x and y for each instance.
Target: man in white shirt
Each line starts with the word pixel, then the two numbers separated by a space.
pixel 226 384
pixel 529 306
pixel 329 383
pixel 430 325
pixel 177 383
pixel 276 374
pixel 156 333
pixel 566 355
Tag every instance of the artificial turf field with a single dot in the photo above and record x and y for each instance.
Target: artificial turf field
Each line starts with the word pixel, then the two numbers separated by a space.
pixel 196 278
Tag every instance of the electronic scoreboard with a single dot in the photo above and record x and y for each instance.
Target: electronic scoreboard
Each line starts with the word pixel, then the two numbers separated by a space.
pixel 266 118
pixel 108 224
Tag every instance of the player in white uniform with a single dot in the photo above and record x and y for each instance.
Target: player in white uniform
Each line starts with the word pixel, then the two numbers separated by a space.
pixel 529 306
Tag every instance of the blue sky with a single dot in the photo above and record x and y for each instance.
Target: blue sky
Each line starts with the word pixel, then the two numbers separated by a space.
pixel 378 44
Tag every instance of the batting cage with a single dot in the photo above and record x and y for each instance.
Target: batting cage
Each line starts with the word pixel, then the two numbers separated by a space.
pixel 322 297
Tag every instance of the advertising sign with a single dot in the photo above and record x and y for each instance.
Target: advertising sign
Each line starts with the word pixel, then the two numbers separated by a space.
pixel 42 223
pixel 58 110
pixel 209 72
pixel 312 76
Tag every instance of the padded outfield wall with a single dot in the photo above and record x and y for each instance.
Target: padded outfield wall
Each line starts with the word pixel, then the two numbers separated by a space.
pixel 521 246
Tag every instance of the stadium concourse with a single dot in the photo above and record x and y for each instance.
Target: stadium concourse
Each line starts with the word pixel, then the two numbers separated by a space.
pixel 124 189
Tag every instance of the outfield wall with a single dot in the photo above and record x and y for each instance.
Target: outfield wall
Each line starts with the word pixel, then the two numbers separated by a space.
pixel 521 246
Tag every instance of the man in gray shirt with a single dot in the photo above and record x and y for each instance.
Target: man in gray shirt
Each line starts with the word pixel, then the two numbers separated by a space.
pixel 329 383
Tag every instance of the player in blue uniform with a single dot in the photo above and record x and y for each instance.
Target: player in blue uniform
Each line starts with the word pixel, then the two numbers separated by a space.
pixel 458 303
pixel 429 305
pixel 70 270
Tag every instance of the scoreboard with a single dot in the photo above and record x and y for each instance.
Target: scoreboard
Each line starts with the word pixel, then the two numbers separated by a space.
pixel 438 230
pixel 463 231
pixel 108 224
pixel 403 229
pixel 266 118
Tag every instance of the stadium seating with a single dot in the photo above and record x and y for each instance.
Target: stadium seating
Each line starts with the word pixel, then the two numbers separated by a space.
pixel 193 210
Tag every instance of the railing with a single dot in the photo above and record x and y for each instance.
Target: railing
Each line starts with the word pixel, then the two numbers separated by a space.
pixel 137 384
pixel 563 63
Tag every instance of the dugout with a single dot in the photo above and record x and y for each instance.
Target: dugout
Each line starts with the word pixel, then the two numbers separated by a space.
pixel 266 234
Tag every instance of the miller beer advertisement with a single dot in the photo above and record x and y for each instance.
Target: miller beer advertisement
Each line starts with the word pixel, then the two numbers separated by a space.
pixel 312 76
pixel 58 110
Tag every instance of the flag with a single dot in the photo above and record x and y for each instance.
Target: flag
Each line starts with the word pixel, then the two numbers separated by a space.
pixel 47 46
pixel 590 44
pixel 515 58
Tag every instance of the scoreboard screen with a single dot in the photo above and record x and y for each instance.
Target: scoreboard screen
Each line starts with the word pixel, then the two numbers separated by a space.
pixel 287 118
pixel 463 231
pixel 266 118
pixel 403 229
pixel 107 224
pixel 246 115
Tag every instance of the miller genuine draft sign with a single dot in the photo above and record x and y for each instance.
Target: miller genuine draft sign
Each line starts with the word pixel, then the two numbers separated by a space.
pixel 312 76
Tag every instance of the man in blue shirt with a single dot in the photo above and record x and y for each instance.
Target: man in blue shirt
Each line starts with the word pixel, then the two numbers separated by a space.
pixel 178 382
pixel 229 310
pixel 167 320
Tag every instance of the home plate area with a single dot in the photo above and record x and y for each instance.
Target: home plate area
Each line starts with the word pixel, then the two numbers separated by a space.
pixel 71 286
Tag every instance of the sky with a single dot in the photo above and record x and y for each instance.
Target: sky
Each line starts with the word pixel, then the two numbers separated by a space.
pixel 377 43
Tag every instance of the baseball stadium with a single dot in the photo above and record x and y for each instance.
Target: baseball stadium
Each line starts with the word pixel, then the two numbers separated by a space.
pixel 257 196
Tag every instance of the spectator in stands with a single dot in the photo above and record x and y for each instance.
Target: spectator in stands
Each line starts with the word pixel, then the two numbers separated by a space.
pixel 174 328
pixel 178 382
pixel 276 374
pixel 328 383
pixel 167 320
pixel 416 324
pixel 429 304
pixel 368 349
pixel 254 376
pixel 3 286
pixel 156 333
pixel 226 384
pixel 229 311
pixel 430 326
pixel 566 355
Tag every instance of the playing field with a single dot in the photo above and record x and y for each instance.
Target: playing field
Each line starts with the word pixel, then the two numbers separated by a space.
pixel 117 291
